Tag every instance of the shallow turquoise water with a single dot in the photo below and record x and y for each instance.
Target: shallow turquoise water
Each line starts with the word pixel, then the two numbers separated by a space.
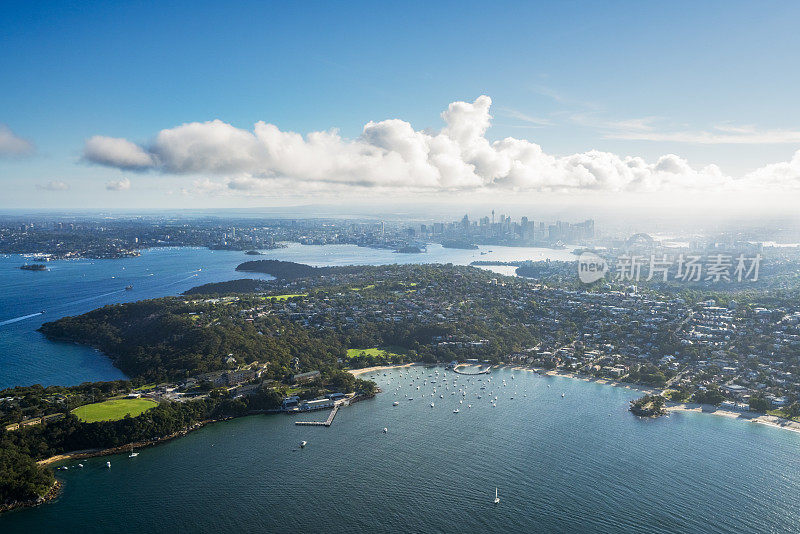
pixel 580 463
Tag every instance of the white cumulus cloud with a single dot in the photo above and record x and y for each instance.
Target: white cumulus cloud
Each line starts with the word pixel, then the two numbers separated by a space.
pixel 392 154
pixel 53 185
pixel 118 185
pixel 116 152
pixel 13 145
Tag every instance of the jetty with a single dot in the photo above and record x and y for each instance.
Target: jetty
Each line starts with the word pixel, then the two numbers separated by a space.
pixel 326 422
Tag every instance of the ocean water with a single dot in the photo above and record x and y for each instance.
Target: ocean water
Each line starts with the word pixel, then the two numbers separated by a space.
pixel 78 286
pixel 578 463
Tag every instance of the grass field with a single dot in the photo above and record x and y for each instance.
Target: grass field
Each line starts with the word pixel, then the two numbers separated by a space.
pixel 386 352
pixel 113 409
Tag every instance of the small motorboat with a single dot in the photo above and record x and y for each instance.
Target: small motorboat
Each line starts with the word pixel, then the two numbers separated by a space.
pixel 303 444
pixel 385 430
pixel 496 497
pixel 108 464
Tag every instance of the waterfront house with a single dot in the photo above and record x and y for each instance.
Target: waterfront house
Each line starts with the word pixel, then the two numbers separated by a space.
pixel 317 404
pixel 290 402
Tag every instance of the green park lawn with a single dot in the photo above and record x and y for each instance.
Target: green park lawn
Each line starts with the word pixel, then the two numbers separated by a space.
pixel 386 352
pixel 113 409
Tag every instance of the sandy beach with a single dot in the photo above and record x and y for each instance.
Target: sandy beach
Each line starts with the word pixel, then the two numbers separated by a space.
pixel 769 420
pixel 364 370
pixel 637 387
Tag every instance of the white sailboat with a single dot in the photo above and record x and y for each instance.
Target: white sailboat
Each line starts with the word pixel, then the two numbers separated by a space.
pixel 496 498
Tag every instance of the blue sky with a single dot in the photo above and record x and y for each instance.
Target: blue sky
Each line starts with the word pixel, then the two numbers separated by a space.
pixel 711 82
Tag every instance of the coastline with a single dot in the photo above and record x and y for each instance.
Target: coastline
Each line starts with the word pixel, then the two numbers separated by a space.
pixel 364 370
pixel 52 494
pixel 616 383
pixel 708 409
pixel 91 453
pixel 750 417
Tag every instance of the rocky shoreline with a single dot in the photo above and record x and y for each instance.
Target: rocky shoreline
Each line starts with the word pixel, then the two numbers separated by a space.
pixel 91 453
pixel 52 493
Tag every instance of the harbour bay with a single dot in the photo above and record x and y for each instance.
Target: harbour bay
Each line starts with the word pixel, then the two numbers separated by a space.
pixel 575 463
pixel 78 286
pixel 580 462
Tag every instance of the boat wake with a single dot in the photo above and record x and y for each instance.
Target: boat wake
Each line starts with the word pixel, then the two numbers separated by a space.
pixel 18 319
pixel 87 299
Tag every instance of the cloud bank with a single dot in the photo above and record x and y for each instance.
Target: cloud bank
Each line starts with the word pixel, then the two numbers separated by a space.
pixel 53 185
pixel 392 154
pixel 118 185
pixel 11 145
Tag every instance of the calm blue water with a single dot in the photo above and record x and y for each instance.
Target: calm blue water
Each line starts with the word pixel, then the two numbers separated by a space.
pixel 580 463
pixel 78 286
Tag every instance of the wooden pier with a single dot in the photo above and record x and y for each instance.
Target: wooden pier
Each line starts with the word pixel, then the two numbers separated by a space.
pixel 327 422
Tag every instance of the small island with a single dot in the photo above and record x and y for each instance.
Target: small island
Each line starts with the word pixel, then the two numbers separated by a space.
pixel 34 267
pixel 465 245
pixel 410 249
